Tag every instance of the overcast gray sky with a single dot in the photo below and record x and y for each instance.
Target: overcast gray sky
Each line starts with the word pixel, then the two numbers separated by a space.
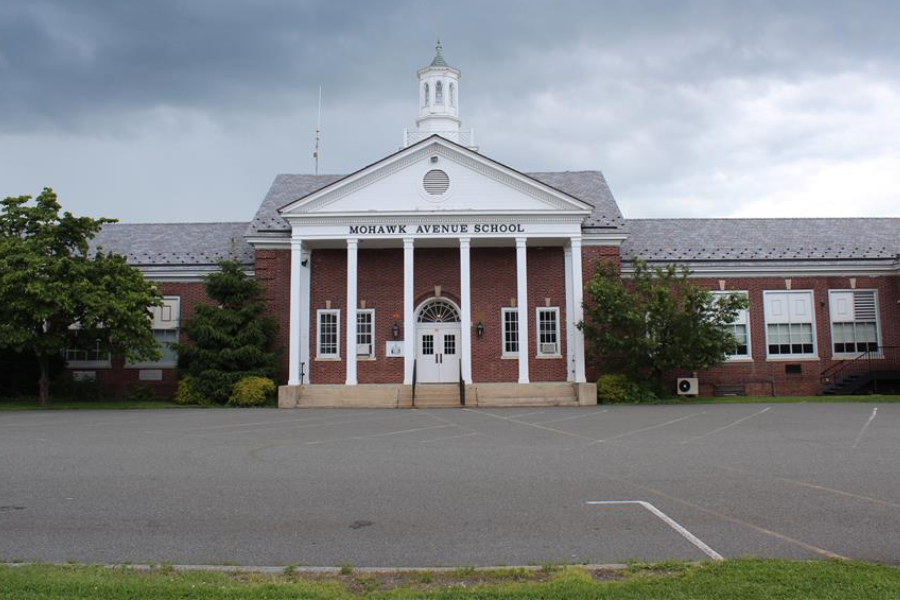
pixel 170 110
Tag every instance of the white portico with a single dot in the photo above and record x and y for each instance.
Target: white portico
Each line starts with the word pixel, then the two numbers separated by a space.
pixel 435 195
pixel 480 204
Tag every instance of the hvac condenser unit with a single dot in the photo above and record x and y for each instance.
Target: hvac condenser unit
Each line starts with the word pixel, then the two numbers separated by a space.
pixel 688 386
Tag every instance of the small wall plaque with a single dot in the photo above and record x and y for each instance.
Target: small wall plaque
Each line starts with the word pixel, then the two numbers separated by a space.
pixel 393 348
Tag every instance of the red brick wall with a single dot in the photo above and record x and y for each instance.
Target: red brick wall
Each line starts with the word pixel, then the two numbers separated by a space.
pixel 273 272
pixel 493 284
pixel 118 380
pixel 762 376
pixel 768 377
pixel 590 257
pixel 493 288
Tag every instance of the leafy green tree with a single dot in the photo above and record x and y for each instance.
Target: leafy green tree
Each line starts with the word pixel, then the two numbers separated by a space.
pixel 50 280
pixel 656 321
pixel 229 341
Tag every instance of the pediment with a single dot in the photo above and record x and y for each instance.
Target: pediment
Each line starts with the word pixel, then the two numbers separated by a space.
pixel 435 176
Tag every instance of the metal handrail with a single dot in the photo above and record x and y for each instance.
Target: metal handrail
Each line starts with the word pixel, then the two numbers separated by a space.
pixel 859 364
pixel 414 384
pixel 462 389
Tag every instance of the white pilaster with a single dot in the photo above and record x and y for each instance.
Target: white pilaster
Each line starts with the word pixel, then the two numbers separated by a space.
pixel 570 321
pixel 465 287
pixel 578 308
pixel 294 337
pixel 305 314
pixel 409 319
pixel 352 304
pixel 522 301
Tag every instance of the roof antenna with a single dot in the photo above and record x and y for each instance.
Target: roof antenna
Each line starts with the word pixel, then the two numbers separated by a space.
pixel 318 131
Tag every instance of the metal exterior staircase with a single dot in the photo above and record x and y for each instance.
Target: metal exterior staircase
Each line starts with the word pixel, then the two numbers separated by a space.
pixel 872 372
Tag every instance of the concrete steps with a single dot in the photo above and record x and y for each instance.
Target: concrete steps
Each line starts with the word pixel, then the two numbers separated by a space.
pixel 515 394
pixel 437 395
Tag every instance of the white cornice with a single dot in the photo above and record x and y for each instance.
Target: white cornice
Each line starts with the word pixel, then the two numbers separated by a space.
pixel 608 239
pixel 770 269
pixel 416 218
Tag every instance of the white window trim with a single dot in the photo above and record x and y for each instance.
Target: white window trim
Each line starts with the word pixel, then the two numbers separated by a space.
pixel 319 354
pixel 503 313
pixel 831 322
pixel 88 364
pixel 537 331
pixel 371 311
pixel 156 364
pixel 161 364
pixel 740 357
pixel 815 334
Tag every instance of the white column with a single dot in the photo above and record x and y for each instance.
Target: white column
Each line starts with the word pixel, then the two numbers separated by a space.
pixel 465 290
pixel 578 308
pixel 522 301
pixel 570 314
pixel 305 327
pixel 409 319
pixel 294 337
pixel 352 304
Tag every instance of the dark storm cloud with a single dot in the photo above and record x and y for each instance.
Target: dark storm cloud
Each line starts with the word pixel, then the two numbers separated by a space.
pixel 70 60
pixel 677 101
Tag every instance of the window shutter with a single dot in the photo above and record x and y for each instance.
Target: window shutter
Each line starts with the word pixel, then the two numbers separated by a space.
pixel 801 308
pixel 841 306
pixel 864 306
pixel 776 308
pixel 167 316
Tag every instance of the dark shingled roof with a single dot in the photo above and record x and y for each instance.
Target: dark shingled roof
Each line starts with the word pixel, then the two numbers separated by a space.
pixel 686 240
pixel 587 186
pixel 176 244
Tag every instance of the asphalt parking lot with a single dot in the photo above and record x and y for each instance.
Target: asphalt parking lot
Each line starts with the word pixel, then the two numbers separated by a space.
pixel 447 487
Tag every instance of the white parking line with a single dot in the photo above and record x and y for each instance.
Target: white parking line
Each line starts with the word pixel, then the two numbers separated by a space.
pixel 449 437
pixel 739 421
pixel 378 435
pixel 578 416
pixel 623 434
pixel 668 521
pixel 863 430
pixel 526 423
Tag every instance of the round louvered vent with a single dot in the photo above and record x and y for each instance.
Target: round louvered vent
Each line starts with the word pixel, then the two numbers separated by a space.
pixel 436 182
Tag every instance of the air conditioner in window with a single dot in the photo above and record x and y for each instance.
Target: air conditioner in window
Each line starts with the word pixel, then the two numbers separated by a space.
pixel 549 349
pixel 688 386
pixel 363 349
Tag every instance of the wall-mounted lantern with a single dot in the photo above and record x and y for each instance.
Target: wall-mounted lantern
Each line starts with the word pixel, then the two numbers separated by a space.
pixel 395 330
pixel 479 330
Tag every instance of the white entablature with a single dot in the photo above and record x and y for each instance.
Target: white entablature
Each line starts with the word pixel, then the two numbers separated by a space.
pixel 436 179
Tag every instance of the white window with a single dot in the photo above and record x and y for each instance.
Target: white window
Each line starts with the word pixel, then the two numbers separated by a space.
pixel 548 331
pixel 365 333
pixel 510 317
pixel 740 329
pixel 854 321
pixel 328 341
pixel 86 355
pixel 438 93
pixel 166 321
pixel 790 324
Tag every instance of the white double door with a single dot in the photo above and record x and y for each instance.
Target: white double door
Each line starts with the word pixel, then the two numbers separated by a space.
pixel 438 352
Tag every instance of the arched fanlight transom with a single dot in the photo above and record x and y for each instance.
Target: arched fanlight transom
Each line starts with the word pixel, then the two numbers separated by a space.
pixel 439 311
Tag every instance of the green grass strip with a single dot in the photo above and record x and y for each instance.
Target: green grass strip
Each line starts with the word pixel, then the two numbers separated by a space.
pixel 746 579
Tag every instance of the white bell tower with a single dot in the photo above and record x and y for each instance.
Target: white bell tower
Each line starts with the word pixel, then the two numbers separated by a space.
pixel 439 104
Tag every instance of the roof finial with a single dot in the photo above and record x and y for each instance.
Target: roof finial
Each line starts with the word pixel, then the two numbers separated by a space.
pixel 438 55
